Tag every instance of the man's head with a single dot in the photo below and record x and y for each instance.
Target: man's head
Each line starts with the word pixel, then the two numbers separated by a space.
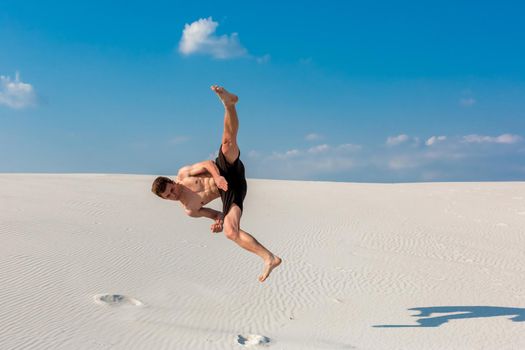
pixel 165 188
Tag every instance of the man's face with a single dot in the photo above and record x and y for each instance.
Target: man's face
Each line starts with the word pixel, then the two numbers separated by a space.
pixel 172 192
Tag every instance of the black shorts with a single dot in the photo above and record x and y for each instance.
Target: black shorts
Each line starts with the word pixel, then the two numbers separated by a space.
pixel 237 186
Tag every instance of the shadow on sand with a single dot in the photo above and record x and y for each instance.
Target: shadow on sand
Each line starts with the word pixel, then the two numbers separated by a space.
pixel 459 312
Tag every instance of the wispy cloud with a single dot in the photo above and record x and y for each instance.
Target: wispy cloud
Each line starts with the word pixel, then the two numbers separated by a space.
pixel 441 158
pixel 305 163
pixel 285 155
pixel 313 137
pixel 319 149
pixel 396 140
pixel 455 159
pixel 199 38
pixel 435 139
pixel 504 138
pixel 15 93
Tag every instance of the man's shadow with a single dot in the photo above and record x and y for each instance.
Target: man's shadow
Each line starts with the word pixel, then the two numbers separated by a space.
pixel 459 312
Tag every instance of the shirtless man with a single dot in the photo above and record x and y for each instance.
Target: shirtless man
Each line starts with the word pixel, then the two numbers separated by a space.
pixel 198 184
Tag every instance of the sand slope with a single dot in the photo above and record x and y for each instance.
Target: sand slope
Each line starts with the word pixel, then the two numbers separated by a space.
pixel 357 258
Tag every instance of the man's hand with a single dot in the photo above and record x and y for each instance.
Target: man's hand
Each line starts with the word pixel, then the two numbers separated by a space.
pixel 221 183
pixel 217 226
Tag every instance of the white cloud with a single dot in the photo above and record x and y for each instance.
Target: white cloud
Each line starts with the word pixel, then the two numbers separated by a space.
pixel 467 101
pixel 305 163
pixel 508 138
pixel 444 158
pixel 15 93
pixel 200 37
pixel 452 158
pixel 435 139
pixel 319 149
pixel 346 147
pixel 504 138
pixel 396 140
pixel 286 155
pixel 313 137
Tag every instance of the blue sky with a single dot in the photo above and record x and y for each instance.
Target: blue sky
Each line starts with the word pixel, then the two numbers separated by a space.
pixel 374 91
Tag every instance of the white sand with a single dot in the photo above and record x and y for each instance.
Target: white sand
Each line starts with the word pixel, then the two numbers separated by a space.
pixel 356 256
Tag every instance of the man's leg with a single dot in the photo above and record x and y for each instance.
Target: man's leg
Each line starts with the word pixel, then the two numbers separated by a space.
pixel 232 220
pixel 245 240
pixel 229 147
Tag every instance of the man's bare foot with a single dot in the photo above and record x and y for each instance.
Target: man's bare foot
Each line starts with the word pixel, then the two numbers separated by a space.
pixel 269 265
pixel 227 98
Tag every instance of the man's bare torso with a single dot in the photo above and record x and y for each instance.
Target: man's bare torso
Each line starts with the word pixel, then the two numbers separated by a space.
pixel 197 190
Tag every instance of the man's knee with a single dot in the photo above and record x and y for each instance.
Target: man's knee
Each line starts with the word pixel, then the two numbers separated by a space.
pixel 230 151
pixel 231 231
pixel 232 222
pixel 226 146
pixel 229 142
pixel 231 226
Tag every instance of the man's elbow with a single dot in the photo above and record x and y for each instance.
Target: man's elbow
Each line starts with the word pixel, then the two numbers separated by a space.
pixel 192 213
pixel 209 164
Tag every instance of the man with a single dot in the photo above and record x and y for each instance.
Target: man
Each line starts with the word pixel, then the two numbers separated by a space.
pixel 200 183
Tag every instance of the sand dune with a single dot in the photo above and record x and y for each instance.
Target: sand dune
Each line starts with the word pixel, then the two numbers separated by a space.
pixel 98 262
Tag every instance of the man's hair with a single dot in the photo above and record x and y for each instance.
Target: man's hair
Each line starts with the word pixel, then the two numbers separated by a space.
pixel 159 185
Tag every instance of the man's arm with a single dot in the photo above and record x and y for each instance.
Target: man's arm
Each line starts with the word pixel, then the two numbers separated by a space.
pixel 201 168
pixel 208 213
pixel 204 212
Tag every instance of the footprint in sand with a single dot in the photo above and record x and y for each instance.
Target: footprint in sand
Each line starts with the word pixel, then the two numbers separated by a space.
pixel 252 340
pixel 116 300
